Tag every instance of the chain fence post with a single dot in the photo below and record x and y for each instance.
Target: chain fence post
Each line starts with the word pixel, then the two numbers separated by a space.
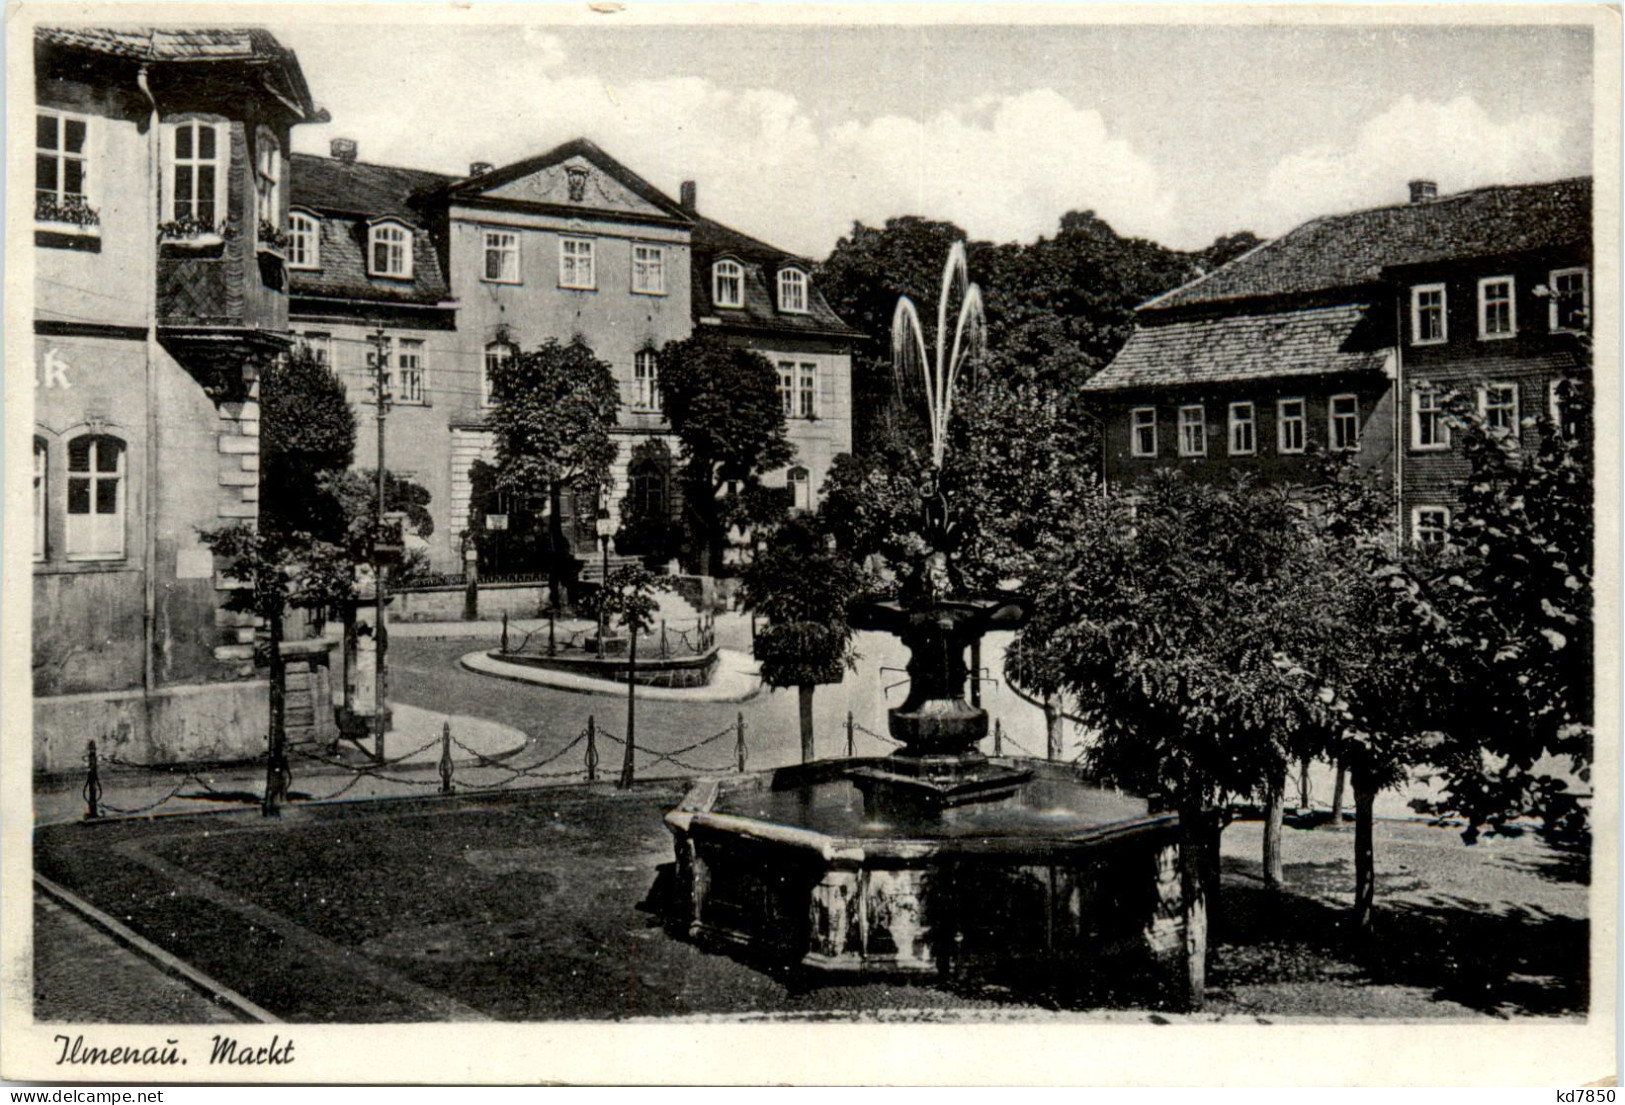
pixel 739 740
pixel 93 784
pixel 850 732
pixel 445 757
pixel 592 749
pixel 998 737
pixel 552 633
pixel 504 632
pixel 628 766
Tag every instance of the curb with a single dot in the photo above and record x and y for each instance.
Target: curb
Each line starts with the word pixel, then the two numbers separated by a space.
pixel 216 992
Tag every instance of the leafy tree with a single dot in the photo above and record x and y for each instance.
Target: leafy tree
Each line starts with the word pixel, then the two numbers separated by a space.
pixel 802 587
pixel 553 409
pixel 1166 618
pixel 628 596
pixel 723 404
pixel 307 429
pixel 1510 604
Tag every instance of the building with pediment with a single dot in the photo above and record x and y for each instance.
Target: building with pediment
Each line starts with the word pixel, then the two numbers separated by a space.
pixel 461 273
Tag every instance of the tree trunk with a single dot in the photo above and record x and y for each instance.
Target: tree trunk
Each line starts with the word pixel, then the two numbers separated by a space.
pixel 276 751
pixel 1337 792
pixel 1052 726
pixel 1274 810
pixel 1303 786
pixel 805 691
pixel 1192 859
pixel 1365 870
pixel 555 540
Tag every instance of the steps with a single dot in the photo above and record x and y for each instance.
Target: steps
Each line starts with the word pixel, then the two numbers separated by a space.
pixel 592 570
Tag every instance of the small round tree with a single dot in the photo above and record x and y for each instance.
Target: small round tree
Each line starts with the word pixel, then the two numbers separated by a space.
pixel 802 587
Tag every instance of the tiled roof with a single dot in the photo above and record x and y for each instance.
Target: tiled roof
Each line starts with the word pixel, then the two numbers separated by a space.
pixel 1344 251
pixel 1308 342
pixel 192 44
pixel 347 194
pixel 761 262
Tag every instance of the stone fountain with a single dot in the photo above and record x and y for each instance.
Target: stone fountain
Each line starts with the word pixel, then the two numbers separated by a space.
pixel 937 860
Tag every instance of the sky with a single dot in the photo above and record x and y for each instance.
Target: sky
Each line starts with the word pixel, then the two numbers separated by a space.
pixel 1175 133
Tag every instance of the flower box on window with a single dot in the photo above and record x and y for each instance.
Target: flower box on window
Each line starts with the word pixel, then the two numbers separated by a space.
pixel 272 239
pixel 194 233
pixel 66 214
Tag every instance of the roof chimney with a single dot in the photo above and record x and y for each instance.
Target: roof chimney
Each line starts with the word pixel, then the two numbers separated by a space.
pixel 689 197
pixel 479 168
pixel 1423 190
pixel 343 149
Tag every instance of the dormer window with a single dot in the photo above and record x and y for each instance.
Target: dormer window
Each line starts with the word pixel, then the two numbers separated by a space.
pixel 728 284
pixel 389 250
pixel 792 291
pixel 304 241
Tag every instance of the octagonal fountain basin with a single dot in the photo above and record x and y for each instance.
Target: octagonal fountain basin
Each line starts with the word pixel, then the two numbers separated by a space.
pixel 795 868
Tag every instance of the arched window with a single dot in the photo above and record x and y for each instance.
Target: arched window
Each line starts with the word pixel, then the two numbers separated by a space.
pixel 497 354
pixel 41 483
pixel 389 250
pixel 799 481
pixel 304 241
pixel 96 498
pixel 792 291
pixel 728 284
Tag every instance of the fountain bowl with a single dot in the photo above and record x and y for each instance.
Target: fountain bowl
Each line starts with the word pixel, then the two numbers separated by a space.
pixel 1056 879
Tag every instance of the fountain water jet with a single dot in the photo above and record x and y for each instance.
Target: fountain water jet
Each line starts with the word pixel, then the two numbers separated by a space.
pixel 937 859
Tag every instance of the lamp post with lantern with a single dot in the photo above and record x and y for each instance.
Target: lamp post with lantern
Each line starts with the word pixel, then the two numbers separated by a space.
pixel 606 530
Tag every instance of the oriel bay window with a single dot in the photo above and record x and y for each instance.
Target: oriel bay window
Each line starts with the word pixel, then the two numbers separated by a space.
pixel 1243 430
pixel 1192 431
pixel 199 154
pixel 96 498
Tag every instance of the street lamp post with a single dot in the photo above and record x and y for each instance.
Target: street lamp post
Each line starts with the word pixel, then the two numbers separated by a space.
pixel 606 529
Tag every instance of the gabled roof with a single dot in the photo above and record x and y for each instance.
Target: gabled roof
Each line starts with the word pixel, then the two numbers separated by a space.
pixel 1348 251
pixel 475 188
pixel 358 188
pixel 349 194
pixel 253 45
pixel 761 262
pixel 1216 349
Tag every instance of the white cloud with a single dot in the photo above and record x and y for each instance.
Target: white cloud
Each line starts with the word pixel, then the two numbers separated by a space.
pixel 1003 167
pixel 1455 144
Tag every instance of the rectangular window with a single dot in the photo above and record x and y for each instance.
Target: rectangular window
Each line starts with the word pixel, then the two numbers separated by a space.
pixel 787 387
pixel 646 382
pixel 1192 431
pixel 1499 405
pixel 319 346
pixel 1243 430
pixel 1428 321
pixel 1344 422
pixel 1290 424
pixel 648 270
pixel 60 167
pixel 497 354
pixel 198 158
pixel 95 498
pixel 267 178
pixel 1430 525
pixel 501 257
pixel 411 373
pixel 807 391
pixel 41 486
pixel 1428 429
pixel 575 264
pixel 1143 432
pixel 1571 299
pixel 1497 312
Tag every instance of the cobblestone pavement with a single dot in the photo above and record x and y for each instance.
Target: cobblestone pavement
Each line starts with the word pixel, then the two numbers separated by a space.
pixel 83 975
